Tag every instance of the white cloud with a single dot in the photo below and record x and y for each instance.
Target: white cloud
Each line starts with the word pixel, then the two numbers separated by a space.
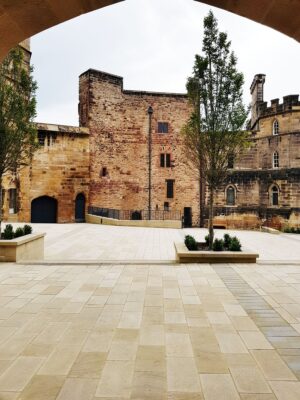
pixel 151 43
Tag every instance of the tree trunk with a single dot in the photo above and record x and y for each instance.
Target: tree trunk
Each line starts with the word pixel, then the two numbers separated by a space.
pixel 1 205
pixel 200 200
pixel 211 217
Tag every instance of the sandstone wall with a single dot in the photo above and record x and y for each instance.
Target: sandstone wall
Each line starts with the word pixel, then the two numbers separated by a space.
pixel 59 169
pixel 119 125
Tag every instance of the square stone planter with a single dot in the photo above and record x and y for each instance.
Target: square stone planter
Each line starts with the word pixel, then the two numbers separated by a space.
pixel 184 255
pixel 24 248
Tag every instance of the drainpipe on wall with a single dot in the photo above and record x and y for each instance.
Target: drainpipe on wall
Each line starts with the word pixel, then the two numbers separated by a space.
pixel 150 113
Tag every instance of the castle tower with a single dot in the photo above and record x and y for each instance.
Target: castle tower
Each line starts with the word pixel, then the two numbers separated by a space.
pixel 257 92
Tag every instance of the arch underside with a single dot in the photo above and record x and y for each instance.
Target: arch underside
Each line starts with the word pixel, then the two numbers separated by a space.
pixel 21 19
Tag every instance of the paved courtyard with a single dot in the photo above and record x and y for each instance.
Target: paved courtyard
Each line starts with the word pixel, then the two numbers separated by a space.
pixel 99 242
pixel 210 332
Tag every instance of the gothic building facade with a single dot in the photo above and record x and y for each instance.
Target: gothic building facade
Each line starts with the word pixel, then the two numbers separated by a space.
pixel 127 155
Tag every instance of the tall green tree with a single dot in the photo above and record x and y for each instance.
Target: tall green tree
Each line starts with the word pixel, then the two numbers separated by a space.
pixel 214 134
pixel 18 135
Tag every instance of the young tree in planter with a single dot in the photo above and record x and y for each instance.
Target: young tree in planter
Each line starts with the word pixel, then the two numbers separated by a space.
pixel 17 109
pixel 213 135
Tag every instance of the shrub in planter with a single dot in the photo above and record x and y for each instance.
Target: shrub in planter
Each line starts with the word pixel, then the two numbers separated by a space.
pixel 218 245
pixel 227 240
pixel 206 238
pixel 27 229
pixel 19 232
pixel 235 244
pixel 8 232
pixel 190 242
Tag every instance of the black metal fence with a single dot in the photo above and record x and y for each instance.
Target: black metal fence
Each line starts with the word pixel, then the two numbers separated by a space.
pixel 127 215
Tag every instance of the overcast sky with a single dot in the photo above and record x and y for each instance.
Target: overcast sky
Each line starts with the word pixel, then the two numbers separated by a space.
pixel 152 44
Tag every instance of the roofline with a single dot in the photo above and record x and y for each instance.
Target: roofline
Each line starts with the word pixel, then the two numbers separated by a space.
pixel 133 92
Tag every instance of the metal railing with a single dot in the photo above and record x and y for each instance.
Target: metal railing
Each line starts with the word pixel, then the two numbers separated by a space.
pixel 158 215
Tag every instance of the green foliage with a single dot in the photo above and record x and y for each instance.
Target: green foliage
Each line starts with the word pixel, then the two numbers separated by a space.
pixel 206 238
pixel 214 134
pixel 19 232
pixel 235 244
pixel 8 232
pixel 218 245
pixel 190 242
pixel 292 230
pixel 227 240
pixel 27 229
pixel 18 135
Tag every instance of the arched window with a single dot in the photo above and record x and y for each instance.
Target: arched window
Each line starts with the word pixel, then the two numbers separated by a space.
pixel 230 196
pixel 275 127
pixel 276 160
pixel 274 195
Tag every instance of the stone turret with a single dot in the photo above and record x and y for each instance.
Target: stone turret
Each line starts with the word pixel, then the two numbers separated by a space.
pixel 257 92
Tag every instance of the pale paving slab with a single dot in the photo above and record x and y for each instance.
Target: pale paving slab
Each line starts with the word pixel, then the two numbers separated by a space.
pixel 128 332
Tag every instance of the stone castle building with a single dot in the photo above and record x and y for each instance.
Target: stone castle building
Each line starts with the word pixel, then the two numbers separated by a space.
pixel 128 141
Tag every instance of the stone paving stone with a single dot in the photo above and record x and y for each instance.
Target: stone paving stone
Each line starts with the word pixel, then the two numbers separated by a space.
pixel 249 379
pixel 182 375
pixel 44 387
pixel 255 340
pixel 116 379
pixel 77 389
pixel 286 390
pixel 16 377
pixel 272 365
pixel 218 386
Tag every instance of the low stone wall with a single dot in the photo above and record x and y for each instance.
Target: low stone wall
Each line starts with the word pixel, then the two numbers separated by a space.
pixel 237 221
pixel 95 219
pixel 184 255
pixel 28 247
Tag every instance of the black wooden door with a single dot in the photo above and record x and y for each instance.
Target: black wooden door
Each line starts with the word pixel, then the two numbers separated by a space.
pixel 80 208
pixel 187 217
pixel 44 210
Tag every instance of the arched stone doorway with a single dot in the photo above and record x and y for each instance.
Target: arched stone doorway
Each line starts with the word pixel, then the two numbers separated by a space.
pixel 20 20
pixel 44 210
pixel 80 208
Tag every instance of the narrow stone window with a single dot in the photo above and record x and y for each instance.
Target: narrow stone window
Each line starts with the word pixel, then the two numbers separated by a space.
pixel 162 160
pixel 274 196
pixel 163 127
pixel 276 127
pixel 166 206
pixel 231 161
pixel 230 196
pixel 168 160
pixel 276 160
pixel 12 201
pixel 170 188
pixel 104 172
pixel 41 138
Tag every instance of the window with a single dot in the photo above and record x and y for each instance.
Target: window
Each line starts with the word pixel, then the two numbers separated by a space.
pixel 3 195
pixel 104 172
pixel 165 160
pixel 163 127
pixel 276 160
pixel 170 188
pixel 230 196
pixel 230 161
pixel 166 206
pixel 12 200
pixel 275 127
pixel 41 138
pixel 274 196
